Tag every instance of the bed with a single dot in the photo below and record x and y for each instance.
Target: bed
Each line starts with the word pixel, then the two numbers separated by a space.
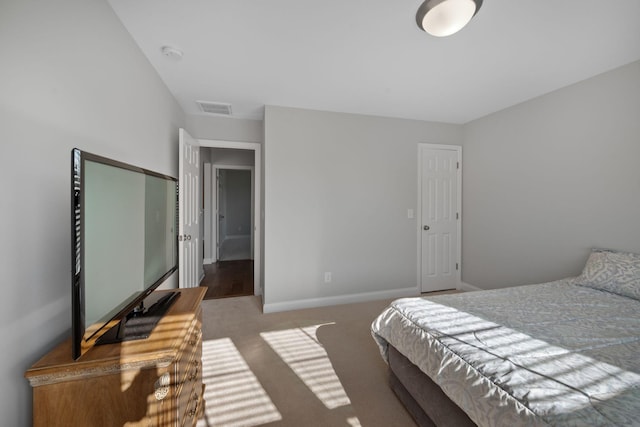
pixel 563 353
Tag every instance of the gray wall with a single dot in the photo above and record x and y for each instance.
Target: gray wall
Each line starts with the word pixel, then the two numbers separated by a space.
pixel 225 128
pixel 337 190
pixel 71 76
pixel 548 179
pixel 237 202
pixel 231 156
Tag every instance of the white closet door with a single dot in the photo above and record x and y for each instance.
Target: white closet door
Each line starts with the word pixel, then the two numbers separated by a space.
pixel 440 213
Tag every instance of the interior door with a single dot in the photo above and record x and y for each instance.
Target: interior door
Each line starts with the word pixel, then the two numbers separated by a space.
pixel 189 211
pixel 440 202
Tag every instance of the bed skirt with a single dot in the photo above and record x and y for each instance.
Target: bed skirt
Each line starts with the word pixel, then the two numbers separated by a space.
pixel 424 400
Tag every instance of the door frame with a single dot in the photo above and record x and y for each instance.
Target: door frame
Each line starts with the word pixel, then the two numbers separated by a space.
pixel 458 149
pixel 256 147
pixel 215 235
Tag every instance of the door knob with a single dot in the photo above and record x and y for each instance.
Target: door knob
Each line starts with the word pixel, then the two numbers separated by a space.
pixel 426 227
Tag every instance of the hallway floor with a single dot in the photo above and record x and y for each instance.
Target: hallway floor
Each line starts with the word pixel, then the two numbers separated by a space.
pixel 228 279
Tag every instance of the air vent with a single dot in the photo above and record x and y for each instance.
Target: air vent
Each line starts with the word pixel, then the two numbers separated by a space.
pixel 214 107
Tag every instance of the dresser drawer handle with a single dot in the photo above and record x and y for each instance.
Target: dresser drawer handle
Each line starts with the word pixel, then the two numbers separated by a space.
pixel 194 373
pixel 194 340
pixel 162 386
pixel 192 412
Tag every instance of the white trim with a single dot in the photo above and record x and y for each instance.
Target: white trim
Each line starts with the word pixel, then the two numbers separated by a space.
pixel 209 261
pixel 338 300
pixel 257 178
pixel 220 143
pixel 467 287
pixel 458 149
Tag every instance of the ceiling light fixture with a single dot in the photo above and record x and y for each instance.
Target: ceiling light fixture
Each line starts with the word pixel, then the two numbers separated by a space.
pixel 442 18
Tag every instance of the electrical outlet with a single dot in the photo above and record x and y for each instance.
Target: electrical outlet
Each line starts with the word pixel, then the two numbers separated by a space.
pixel 327 277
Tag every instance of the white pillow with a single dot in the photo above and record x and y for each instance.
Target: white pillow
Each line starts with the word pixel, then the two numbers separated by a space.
pixel 612 271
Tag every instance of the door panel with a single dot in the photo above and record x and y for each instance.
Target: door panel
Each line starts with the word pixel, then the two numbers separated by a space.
pixel 189 211
pixel 439 183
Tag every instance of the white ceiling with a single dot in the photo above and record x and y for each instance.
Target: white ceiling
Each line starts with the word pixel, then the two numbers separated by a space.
pixel 369 57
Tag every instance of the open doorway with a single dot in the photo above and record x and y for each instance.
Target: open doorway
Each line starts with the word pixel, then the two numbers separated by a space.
pixel 234 209
pixel 229 222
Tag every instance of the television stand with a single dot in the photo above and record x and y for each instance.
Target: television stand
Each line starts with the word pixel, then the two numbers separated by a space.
pixel 139 323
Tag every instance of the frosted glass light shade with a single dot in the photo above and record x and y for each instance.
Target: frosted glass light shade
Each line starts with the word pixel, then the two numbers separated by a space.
pixel 442 18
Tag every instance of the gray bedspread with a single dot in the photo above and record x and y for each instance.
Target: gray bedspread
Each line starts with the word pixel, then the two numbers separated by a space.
pixel 550 354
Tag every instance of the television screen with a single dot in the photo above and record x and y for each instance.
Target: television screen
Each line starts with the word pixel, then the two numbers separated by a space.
pixel 124 226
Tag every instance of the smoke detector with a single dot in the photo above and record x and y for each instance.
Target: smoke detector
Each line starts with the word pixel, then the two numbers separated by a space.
pixel 171 52
pixel 214 107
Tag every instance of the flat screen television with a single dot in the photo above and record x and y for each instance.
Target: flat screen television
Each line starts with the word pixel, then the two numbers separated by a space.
pixel 124 229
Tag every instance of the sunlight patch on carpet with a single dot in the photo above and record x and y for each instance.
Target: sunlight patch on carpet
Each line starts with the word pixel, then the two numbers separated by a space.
pixel 300 349
pixel 233 394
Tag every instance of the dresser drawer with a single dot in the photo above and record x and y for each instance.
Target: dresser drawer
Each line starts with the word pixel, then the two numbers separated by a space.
pixel 190 356
pixel 194 406
pixel 188 376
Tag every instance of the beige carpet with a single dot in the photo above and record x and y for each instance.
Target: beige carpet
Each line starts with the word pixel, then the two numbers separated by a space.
pixel 313 367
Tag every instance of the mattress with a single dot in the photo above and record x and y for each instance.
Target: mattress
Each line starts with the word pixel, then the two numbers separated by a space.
pixel 549 354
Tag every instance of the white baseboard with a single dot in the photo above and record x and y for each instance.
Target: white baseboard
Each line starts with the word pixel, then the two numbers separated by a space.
pixel 467 287
pixel 341 299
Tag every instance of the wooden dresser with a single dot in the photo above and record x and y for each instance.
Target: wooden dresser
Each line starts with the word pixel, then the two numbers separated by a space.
pixel 151 382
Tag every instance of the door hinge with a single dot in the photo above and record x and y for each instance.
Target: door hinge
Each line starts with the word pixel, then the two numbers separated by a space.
pixel 457 165
pixel 456 265
pixel 457 215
